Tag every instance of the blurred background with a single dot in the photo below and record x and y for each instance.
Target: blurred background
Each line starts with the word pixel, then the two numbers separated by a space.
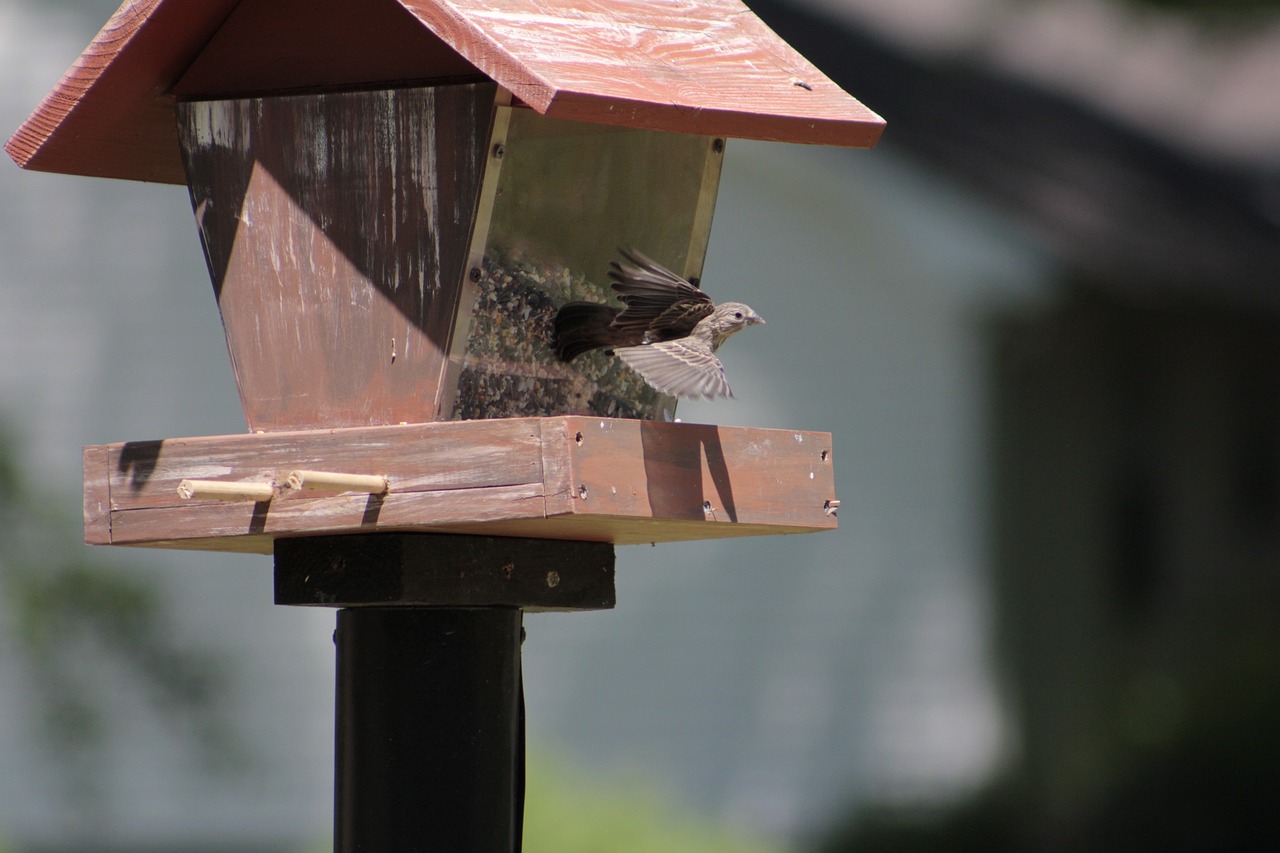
pixel 1042 321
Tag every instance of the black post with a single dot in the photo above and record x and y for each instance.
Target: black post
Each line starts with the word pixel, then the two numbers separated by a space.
pixel 430 722
pixel 429 730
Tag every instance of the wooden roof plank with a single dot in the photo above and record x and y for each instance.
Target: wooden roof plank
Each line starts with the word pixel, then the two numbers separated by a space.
pixel 693 66
pixel 110 115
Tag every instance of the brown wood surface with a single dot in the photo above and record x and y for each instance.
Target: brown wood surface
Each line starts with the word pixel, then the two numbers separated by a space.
pixel 708 67
pixel 306 45
pixel 594 479
pixel 111 114
pixel 97 496
pixel 697 472
pixel 427 569
pixel 336 229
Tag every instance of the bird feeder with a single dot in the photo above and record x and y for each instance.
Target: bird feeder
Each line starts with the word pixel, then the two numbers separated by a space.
pixel 394 197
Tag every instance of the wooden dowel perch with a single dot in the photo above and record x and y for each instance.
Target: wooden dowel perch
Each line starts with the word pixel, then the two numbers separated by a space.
pixel 367 483
pixel 223 490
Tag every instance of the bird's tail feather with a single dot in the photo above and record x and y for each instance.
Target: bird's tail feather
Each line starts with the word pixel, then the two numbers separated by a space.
pixel 583 326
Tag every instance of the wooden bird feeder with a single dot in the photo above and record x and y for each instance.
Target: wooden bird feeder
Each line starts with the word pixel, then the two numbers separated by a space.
pixel 394 197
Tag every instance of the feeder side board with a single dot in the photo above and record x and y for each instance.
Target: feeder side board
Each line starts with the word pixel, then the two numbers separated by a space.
pixel 97 495
pixel 458 471
pixel 636 468
pixel 574 478
pixel 359 201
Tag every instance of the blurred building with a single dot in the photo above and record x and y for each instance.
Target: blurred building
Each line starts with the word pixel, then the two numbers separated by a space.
pixel 1133 434
pixel 1041 326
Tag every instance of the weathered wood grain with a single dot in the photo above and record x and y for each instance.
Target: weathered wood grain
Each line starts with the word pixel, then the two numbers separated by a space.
pixel 708 67
pixel 577 478
pixel 413 458
pixel 336 229
pixel 703 473
pixel 97 496
pixel 446 510
pixel 557 473
pixel 110 115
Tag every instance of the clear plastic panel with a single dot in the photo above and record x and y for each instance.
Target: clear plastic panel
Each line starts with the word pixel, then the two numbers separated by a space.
pixel 564 197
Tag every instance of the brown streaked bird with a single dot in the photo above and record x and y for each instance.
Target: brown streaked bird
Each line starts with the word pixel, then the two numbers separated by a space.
pixel 667 330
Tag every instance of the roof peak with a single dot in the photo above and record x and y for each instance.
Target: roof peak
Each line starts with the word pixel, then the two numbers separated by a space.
pixel 708 67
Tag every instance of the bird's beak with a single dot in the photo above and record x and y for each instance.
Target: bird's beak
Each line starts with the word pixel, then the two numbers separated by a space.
pixel 756 320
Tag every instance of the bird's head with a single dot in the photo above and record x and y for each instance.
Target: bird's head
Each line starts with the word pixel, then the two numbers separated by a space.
pixel 732 317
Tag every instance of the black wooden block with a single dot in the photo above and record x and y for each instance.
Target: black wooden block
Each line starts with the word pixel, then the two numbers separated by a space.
pixel 429 569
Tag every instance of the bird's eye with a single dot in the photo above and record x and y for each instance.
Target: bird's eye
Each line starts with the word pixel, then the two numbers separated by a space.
pixel 737 315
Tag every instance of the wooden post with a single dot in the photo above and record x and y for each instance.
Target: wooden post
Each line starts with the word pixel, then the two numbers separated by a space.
pixel 429 737
pixel 430 730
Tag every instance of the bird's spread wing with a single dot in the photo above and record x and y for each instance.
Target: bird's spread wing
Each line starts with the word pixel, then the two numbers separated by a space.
pixel 655 299
pixel 682 368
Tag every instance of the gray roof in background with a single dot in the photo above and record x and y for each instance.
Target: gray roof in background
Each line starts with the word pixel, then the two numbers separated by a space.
pixel 1137 200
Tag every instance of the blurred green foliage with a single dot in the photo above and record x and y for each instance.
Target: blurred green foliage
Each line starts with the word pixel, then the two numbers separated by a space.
pixel 569 811
pixel 92 638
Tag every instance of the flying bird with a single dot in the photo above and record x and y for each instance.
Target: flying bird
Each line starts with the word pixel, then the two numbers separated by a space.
pixel 667 329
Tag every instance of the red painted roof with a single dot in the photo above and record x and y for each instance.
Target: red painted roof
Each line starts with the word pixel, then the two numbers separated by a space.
pixel 693 66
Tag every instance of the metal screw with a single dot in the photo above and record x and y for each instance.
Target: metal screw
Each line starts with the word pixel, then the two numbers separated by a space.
pixel 553 579
pixel 475 274
pixel 498 151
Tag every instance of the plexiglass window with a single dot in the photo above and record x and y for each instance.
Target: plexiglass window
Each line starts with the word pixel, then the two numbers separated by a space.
pixel 559 199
